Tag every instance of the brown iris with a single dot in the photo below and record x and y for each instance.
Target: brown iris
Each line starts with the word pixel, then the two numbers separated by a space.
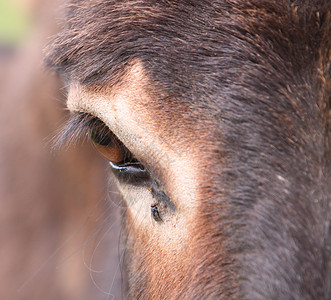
pixel 108 146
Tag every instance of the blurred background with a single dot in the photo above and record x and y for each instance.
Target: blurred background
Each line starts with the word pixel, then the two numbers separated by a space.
pixel 59 215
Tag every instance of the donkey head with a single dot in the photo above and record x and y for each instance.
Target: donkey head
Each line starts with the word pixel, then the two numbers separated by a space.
pixel 214 117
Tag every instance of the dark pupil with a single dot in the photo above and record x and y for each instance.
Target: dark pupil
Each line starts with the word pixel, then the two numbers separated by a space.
pixel 101 138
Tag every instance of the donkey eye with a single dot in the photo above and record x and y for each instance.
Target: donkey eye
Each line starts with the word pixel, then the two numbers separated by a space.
pixel 109 147
pixel 124 165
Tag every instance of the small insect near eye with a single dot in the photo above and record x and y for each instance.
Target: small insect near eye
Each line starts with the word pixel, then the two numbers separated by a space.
pixel 155 213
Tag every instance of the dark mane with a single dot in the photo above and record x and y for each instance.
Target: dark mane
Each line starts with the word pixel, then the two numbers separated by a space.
pixel 263 68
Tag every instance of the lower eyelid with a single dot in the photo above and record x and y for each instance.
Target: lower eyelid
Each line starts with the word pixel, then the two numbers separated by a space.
pixel 131 166
pixel 133 173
